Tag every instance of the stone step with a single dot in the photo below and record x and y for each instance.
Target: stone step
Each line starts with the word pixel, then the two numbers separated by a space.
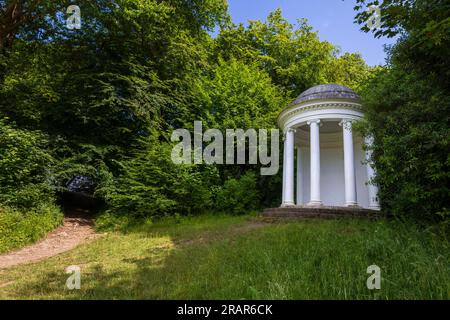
pixel 318 212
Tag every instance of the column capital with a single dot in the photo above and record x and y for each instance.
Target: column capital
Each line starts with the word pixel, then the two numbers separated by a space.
pixel 346 123
pixel 313 121
pixel 289 130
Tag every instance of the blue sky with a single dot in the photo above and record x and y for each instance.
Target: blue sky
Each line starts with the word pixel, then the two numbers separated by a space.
pixel 333 19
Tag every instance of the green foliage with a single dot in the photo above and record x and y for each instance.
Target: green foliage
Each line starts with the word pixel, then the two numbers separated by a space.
pixel 18 228
pixel 241 95
pixel 153 186
pixel 408 111
pixel 27 193
pixel 239 196
pixel 293 55
pixel 97 90
pixel 411 130
pixel 25 168
pixel 424 26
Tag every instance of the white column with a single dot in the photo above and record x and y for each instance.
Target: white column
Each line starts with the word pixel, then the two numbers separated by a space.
pixel 283 195
pixel 315 163
pixel 299 177
pixel 288 176
pixel 349 164
pixel 372 188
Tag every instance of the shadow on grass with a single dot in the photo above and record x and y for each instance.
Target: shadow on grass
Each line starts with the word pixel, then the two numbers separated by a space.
pixel 150 276
pixel 306 260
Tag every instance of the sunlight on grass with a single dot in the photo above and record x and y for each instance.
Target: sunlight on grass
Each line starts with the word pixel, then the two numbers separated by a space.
pixel 237 257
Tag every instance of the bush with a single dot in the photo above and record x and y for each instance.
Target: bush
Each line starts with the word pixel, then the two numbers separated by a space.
pixel 27 210
pixel 25 166
pixel 239 196
pixel 151 185
pixel 409 109
pixel 18 229
pixel 409 119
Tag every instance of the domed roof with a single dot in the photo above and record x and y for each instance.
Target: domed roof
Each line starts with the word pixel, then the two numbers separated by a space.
pixel 326 91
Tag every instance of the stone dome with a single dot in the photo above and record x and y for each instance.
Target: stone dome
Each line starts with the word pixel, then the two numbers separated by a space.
pixel 327 91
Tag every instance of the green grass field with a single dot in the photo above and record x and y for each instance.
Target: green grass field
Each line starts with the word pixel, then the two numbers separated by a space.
pixel 220 257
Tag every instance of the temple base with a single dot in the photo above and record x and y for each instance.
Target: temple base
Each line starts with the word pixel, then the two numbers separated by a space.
pixel 314 204
pixel 324 212
pixel 352 205
pixel 287 205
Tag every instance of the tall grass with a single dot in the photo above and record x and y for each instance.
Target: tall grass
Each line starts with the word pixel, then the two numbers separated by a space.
pixel 18 228
pixel 236 258
pixel 315 260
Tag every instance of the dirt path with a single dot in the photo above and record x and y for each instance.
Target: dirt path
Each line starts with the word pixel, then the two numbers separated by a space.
pixel 76 229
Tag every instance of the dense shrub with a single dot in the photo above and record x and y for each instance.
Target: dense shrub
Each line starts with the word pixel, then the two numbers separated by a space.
pixel 239 196
pixel 25 168
pixel 151 185
pixel 411 151
pixel 409 109
pixel 27 210
pixel 18 228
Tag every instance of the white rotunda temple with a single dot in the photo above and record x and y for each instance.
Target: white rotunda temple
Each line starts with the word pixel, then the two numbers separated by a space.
pixel 324 160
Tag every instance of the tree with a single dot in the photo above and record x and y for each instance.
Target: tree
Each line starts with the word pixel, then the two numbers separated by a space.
pixel 15 14
pixel 293 55
pixel 424 27
pixel 240 95
pixel 408 111
pixel 98 90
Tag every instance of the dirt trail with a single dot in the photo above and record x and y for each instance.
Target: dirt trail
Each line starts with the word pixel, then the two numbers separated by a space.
pixel 76 229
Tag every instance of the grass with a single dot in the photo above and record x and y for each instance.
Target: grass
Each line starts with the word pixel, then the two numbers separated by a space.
pixel 223 257
pixel 18 229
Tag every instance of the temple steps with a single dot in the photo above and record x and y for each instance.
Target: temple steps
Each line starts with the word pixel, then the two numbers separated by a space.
pixel 322 212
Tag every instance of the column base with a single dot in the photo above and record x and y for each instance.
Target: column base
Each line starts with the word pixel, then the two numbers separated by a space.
pixel 315 204
pixel 287 204
pixel 378 208
pixel 352 205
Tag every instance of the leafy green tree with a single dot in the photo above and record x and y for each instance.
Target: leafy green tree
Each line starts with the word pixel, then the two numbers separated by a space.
pixel 293 55
pixel 98 90
pixel 410 122
pixel 424 30
pixel 240 95
pixel 408 110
